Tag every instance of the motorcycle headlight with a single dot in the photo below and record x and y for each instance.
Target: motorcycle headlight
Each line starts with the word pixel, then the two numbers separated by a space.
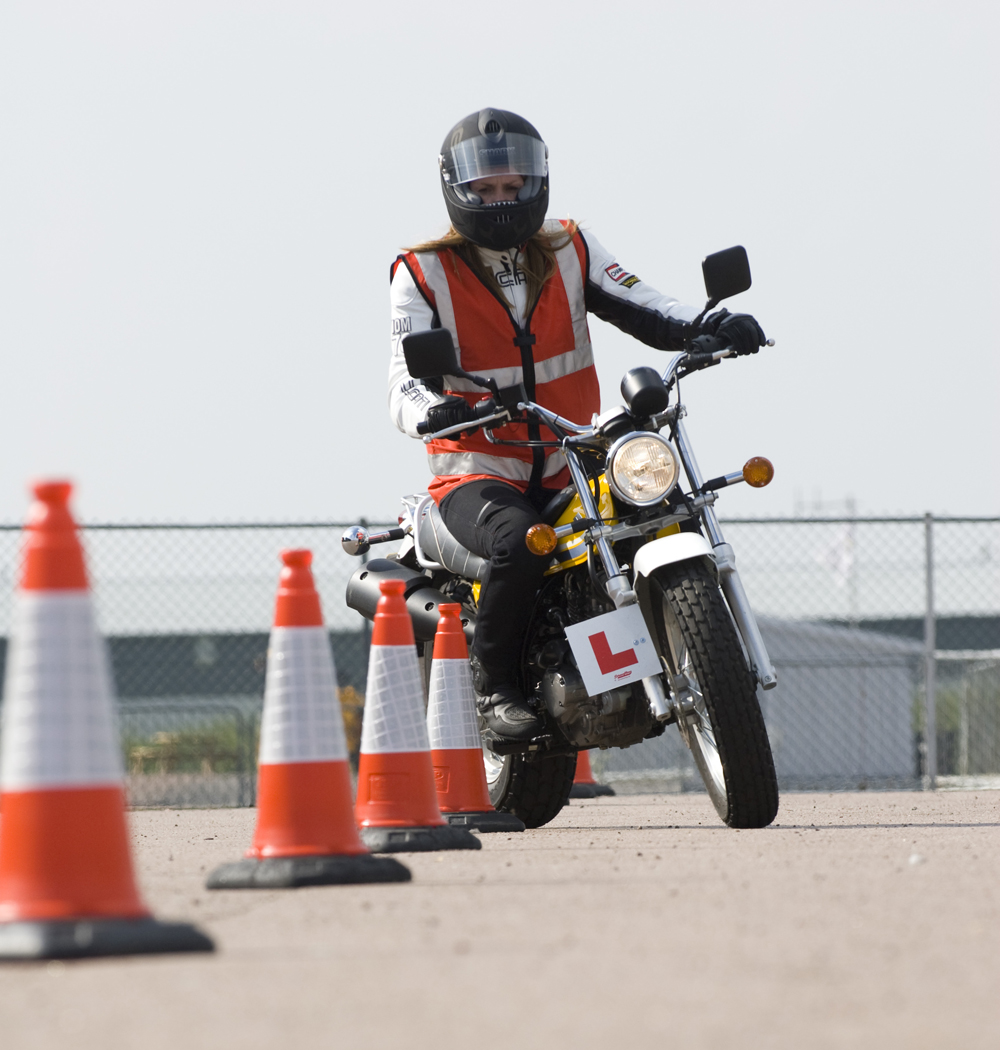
pixel 642 468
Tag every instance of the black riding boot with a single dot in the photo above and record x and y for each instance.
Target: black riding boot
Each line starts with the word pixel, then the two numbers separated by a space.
pixel 491 519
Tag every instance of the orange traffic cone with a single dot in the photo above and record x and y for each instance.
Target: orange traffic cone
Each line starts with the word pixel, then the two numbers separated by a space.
pixel 584 784
pixel 66 882
pixel 397 808
pixel 305 833
pixel 453 728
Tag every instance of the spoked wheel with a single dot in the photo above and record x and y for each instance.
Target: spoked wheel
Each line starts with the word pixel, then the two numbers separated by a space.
pixel 696 728
pixel 532 787
pixel 720 719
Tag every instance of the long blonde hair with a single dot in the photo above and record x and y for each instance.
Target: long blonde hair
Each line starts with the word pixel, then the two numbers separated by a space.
pixel 537 262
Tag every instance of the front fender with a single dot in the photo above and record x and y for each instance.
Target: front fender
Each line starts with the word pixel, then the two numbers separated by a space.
pixel 682 546
pixel 668 550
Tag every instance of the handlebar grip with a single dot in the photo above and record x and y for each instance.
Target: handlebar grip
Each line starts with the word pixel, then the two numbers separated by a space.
pixel 707 344
pixel 423 428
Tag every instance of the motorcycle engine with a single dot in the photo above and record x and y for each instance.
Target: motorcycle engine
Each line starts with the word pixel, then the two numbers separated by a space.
pixel 618 718
pixel 586 721
pixel 581 717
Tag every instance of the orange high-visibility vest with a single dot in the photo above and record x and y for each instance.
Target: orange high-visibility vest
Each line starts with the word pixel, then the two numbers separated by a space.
pixel 551 355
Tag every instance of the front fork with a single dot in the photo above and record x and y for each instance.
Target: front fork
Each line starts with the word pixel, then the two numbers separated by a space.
pixel 680 703
pixel 729 578
pixel 622 594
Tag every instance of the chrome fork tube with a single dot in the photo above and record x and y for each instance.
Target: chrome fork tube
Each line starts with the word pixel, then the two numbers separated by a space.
pixel 659 702
pixel 617 586
pixel 729 578
pixel 694 480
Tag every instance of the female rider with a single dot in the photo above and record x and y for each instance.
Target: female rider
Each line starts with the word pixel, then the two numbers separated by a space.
pixel 514 291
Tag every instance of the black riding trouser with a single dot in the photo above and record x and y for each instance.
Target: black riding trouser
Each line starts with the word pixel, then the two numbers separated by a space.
pixel 491 518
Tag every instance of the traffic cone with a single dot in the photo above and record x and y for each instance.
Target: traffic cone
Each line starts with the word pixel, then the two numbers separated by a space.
pixel 305 833
pixel 453 728
pixel 67 886
pixel 397 808
pixel 584 784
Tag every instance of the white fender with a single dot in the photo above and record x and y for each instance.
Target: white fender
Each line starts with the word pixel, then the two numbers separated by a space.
pixel 681 546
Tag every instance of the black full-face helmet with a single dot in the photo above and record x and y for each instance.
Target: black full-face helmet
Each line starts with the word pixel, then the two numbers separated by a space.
pixel 495 142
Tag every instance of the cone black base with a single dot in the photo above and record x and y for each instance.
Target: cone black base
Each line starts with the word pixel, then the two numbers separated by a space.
pixel 418 839
pixel 80 938
pixel 273 873
pixel 485 821
pixel 590 790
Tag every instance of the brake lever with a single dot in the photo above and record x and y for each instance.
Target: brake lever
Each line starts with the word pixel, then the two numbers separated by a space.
pixel 497 419
pixel 490 415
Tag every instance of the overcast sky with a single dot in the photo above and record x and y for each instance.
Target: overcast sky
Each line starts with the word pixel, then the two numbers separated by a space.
pixel 199 203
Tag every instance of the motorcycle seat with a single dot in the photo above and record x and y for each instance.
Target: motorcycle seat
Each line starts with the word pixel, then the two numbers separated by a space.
pixel 438 544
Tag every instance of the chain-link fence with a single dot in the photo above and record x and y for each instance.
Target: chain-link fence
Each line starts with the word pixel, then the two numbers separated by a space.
pixel 186 612
pixel 860 616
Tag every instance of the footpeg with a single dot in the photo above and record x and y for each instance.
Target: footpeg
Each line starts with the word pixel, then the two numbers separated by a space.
pixel 545 742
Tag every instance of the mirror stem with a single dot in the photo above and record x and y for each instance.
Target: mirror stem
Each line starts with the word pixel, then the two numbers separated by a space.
pixel 710 305
pixel 486 384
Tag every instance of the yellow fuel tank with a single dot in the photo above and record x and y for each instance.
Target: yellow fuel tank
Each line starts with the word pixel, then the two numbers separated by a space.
pixel 572 550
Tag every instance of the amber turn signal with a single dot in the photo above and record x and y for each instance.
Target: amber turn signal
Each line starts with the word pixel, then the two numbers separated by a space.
pixel 758 472
pixel 541 539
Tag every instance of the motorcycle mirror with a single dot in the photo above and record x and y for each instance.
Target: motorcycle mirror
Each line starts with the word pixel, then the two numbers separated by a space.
pixel 430 354
pixel 726 273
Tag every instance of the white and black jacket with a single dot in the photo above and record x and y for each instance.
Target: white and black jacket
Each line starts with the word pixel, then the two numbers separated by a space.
pixel 611 292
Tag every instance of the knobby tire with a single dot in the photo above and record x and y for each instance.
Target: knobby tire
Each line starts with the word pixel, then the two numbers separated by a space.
pixel 534 787
pixel 727 686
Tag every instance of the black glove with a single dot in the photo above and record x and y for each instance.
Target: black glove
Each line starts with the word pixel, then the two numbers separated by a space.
pixel 449 413
pixel 740 331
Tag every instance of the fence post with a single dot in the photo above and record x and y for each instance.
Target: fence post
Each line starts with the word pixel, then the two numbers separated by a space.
pixel 930 645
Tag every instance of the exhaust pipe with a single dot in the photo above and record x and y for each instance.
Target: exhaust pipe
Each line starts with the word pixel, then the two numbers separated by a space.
pixel 422 600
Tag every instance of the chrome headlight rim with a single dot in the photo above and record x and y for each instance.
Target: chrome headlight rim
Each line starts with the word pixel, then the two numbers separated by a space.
pixel 617 447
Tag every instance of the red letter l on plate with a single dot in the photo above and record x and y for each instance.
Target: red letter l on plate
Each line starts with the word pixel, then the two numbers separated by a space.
pixel 606 659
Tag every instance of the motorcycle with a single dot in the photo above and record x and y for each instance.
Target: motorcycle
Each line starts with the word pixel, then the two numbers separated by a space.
pixel 642 621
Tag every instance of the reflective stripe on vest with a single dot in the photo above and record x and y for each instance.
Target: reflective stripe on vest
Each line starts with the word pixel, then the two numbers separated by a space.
pixel 450 464
pixel 561 359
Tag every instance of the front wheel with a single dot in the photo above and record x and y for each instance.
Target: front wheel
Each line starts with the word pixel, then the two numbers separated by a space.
pixel 720 719
pixel 532 787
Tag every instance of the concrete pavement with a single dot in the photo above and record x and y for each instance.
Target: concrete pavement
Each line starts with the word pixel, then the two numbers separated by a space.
pixel 857 920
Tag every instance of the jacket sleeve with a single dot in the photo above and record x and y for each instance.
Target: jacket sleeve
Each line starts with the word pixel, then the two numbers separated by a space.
pixel 615 295
pixel 409 398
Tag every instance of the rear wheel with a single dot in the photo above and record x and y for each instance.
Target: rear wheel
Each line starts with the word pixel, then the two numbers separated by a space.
pixel 532 787
pixel 721 722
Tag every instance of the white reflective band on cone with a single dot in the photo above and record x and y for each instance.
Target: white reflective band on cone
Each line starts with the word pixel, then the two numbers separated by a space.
pixel 302 720
pixel 59 725
pixel 452 724
pixel 393 718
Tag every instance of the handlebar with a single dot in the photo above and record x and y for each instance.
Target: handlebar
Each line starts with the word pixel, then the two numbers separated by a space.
pixel 706 350
pixel 496 417
pixel 703 345
pixel 488 414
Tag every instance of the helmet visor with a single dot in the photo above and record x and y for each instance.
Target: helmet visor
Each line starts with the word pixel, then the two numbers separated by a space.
pixel 481 157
